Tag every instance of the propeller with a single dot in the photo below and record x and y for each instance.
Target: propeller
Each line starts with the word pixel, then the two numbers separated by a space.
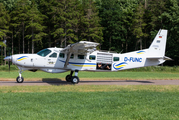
pixel 9 65
pixel 9 59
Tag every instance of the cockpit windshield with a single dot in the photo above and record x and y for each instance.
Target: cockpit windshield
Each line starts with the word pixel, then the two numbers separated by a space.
pixel 44 52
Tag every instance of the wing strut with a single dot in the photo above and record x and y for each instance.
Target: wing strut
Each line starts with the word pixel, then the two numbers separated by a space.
pixel 67 60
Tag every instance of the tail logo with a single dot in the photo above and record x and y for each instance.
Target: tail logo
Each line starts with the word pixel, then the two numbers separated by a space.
pixel 140 52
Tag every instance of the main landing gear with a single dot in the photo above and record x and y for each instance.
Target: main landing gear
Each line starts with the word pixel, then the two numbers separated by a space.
pixel 20 79
pixel 73 79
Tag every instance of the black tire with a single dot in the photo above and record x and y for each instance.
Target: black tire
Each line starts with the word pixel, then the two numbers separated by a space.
pixel 19 79
pixel 68 78
pixel 75 80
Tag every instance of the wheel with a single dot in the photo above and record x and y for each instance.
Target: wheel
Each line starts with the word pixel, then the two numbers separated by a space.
pixel 75 80
pixel 19 79
pixel 68 78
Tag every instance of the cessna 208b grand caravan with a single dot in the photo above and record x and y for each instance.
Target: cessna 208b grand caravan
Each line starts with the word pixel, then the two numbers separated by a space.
pixel 83 56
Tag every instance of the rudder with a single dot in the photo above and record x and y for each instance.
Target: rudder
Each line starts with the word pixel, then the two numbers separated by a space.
pixel 157 48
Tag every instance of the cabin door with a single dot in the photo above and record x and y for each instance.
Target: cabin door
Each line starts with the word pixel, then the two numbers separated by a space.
pixel 104 61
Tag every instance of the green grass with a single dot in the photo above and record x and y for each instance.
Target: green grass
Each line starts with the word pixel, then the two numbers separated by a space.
pixel 157 72
pixel 78 102
pixel 120 75
pixel 92 101
pixel 146 69
pixel 6 68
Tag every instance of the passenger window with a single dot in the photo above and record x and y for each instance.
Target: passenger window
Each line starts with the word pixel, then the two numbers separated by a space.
pixel 72 56
pixel 54 55
pixel 81 56
pixel 116 59
pixel 62 55
pixel 92 57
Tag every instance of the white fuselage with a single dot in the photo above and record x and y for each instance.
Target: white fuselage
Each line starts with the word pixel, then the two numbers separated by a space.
pixel 54 61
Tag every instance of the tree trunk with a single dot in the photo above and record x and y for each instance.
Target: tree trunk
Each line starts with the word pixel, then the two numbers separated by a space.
pixel 140 43
pixel 23 37
pixel 126 44
pixel 136 45
pixel 145 4
pixel 12 42
pixel 19 44
pixel 5 54
pixel 65 23
pixel 1 55
pixel 49 38
pixel 65 34
pixel 28 47
pixel 110 43
pixel 32 41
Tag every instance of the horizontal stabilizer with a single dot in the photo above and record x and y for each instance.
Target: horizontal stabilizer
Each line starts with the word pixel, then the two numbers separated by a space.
pixel 159 57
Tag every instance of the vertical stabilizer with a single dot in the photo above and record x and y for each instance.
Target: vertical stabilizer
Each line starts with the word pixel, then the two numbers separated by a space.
pixel 157 48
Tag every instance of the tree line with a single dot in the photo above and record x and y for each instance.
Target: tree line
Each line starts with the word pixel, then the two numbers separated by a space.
pixel 118 25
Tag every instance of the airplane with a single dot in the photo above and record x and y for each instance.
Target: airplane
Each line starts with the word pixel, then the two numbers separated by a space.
pixel 83 56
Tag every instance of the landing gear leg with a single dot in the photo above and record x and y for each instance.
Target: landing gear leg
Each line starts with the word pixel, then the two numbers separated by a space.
pixel 75 79
pixel 20 79
pixel 68 77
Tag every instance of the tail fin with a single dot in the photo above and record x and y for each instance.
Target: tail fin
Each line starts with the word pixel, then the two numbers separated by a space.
pixel 157 48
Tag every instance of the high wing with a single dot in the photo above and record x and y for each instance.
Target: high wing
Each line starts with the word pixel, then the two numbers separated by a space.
pixel 82 47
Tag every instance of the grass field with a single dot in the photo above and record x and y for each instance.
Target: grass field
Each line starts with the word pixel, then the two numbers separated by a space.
pixel 99 102
pixel 121 75
pixel 89 102
pixel 158 72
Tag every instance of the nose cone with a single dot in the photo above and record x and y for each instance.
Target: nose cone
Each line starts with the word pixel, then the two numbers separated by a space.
pixel 8 58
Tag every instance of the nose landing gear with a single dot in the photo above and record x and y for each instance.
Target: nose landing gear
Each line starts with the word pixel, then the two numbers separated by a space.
pixel 20 79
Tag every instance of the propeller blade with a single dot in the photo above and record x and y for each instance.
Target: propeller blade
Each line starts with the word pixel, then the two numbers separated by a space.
pixel 9 64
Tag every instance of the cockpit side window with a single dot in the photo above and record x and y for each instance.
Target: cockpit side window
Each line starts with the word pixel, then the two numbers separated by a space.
pixel 44 52
pixel 54 55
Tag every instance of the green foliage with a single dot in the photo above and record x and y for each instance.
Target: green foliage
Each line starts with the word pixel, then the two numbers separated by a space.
pixel 90 28
pixel 34 25
pixel 111 15
pixel 118 25
pixel 171 22
pixel 66 15
pixel 139 24
pixel 4 21
pixel 6 68
pixel 10 4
